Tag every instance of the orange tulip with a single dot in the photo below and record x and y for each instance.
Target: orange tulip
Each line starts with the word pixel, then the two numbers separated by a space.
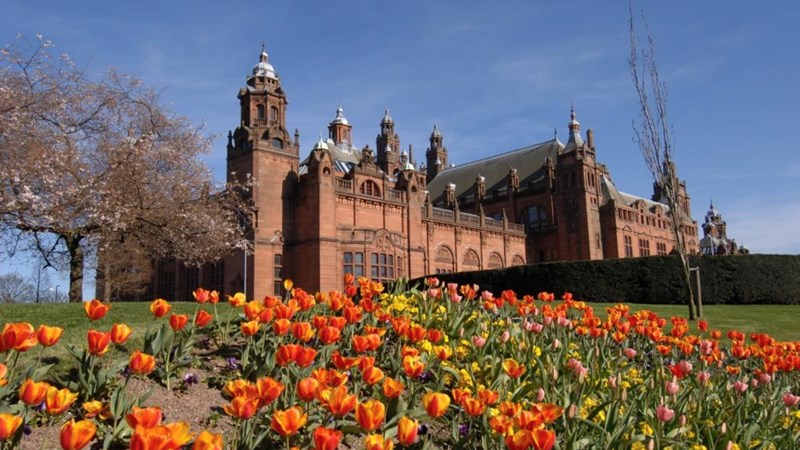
pixel 339 402
pixel 32 393
pixel 305 356
pixel 144 417
pixel 543 439
pixel 18 336
pixel 488 396
pixel 435 404
pixel 473 406
pixel 8 425
pixel 329 334
pixel 413 366
pixel 213 297
pixel 242 407
pixel 370 414
pixel 3 372
pixel 269 389
pixel 326 438
pixel 59 400
pixel 201 295
pixel 372 375
pixel 141 363
pixel 302 331
pixel 513 368
pixel 253 309
pixel 307 388
pixel 96 408
pixel 289 421
pixel 162 437
pixel 98 342
pixel 377 442
pixel 120 333
pixel 202 318
pixel 49 336
pixel 407 430
pixel 178 321
pixel 547 412
pixel 238 299
pixel 287 354
pixel 160 307
pixel 521 440
pixel 76 435
pixel 392 388
pixel 95 309
pixel 279 326
pixel 208 441
pixel 250 328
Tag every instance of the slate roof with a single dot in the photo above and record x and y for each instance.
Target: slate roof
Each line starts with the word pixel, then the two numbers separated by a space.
pixel 529 162
pixel 610 192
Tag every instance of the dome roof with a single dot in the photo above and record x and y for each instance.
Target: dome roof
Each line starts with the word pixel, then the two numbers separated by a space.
pixel 386 117
pixel 320 145
pixel 436 133
pixel 340 119
pixel 264 68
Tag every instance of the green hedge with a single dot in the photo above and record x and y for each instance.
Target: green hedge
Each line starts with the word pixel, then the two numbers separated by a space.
pixel 751 279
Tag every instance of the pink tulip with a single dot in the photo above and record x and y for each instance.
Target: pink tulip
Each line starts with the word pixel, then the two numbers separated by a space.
pixel 540 395
pixel 664 414
pixel 548 320
pixel 703 378
pixel 764 378
pixel 612 382
pixel 534 327
pixel 740 387
pixel 505 336
pixel 433 293
pixel 706 347
pixel 556 344
pixel 672 387
pixel 478 341
pixel 790 400
pixel 564 322
pixel 629 353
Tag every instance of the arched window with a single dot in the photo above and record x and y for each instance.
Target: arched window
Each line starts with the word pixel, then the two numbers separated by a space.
pixel 369 187
pixel 443 260
pixel 260 111
pixel 273 113
pixel 517 261
pixel 534 218
pixel 472 260
pixel 277 143
pixel 495 261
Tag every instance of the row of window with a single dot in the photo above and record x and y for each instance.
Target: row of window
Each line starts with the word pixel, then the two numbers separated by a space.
pixel 261 113
pixel 643 219
pixel 644 247
pixel 382 267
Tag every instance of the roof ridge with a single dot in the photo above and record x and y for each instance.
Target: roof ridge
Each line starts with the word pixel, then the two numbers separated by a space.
pixel 538 144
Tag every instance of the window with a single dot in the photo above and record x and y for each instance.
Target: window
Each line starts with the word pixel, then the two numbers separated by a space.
pixel 644 247
pixel 260 111
pixel 277 268
pixel 354 263
pixel 534 218
pixel 382 267
pixel 369 187
pixel 273 113
pixel 661 248
pixel 277 143
pixel 444 260
pixel 628 247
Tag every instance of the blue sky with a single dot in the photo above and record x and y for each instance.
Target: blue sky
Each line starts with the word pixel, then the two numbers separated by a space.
pixel 493 76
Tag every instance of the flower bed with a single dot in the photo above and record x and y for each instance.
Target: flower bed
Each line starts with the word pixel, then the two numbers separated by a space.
pixel 450 367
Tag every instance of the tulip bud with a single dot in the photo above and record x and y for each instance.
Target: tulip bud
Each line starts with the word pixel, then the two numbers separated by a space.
pixel 682 420
pixel 554 373
pixel 624 395
pixel 461 332
pixel 556 344
pixel 505 336
pixel 572 411
pixel 651 445
pixel 723 428
pixel 539 395
pixel 729 445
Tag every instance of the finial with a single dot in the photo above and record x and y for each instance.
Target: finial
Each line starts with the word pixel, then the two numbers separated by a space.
pixel 555 134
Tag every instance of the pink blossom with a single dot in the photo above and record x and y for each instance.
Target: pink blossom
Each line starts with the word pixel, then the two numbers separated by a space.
pixel 478 341
pixel 672 387
pixel 764 378
pixel 706 347
pixel 505 336
pixel 564 322
pixel 664 414
pixel 790 400
pixel 540 395
pixel 612 382
pixel 740 387
pixel 534 327
pixel 629 353
pixel 556 344
pixel 548 320
pixel 487 296
pixel 703 378
pixel 455 298
pixel 433 293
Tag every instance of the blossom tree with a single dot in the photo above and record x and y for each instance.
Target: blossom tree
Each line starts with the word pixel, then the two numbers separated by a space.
pixel 90 159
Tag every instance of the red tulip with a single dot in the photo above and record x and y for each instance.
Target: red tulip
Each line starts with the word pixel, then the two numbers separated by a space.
pixel 9 424
pixel 95 309
pixel 18 336
pixel 160 307
pixel 178 321
pixel 202 318
pixel 120 333
pixel 326 438
pixel 49 336
pixel 76 435
pixel 98 342
pixel 407 430
pixel 32 393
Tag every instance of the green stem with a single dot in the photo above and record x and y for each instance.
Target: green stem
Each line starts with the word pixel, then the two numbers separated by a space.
pixel 13 365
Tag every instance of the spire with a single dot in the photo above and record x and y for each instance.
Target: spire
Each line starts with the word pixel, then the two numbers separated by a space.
pixel 264 68
pixel 574 128
pixel 387 119
pixel 320 145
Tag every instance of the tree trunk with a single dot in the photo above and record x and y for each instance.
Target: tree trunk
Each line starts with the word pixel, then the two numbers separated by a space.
pixel 75 269
pixel 106 283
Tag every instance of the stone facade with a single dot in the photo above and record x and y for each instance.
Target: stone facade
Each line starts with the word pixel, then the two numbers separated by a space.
pixel 337 209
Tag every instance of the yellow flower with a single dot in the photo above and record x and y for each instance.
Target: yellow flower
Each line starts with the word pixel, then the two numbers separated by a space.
pixel 645 429
pixel 537 350
pixel 638 446
pixel 698 447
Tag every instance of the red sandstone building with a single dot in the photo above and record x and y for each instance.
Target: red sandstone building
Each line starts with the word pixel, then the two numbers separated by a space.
pixel 335 209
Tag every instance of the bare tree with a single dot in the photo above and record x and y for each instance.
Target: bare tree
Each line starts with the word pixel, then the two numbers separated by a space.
pixel 15 289
pixel 87 159
pixel 654 135
pixel 123 269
